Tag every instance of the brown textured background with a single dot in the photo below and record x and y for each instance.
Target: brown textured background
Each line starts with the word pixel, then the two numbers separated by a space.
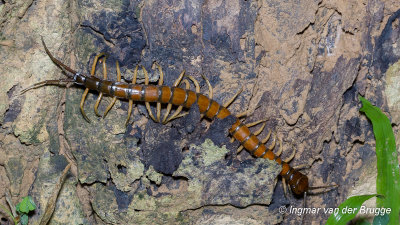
pixel 302 65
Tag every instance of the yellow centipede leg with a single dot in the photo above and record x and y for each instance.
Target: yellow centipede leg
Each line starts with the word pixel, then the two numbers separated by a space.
pixel 210 88
pixel 284 187
pixel 96 105
pixel 130 100
pixel 288 159
pixel 195 82
pixel 266 138
pixel 114 99
pixel 257 132
pixel 229 102
pixel 160 82
pixel 302 166
pixel 169 106
pixel 273 143
pixel 92 73
pixel 146 82
pixel 83 102
pixel 279 152
pixel 179 109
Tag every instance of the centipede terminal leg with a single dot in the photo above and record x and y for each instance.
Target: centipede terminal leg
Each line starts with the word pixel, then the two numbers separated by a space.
pixel 61 82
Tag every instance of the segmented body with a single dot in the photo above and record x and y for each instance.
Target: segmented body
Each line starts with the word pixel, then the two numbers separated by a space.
pixel 211 109
pixel 297 181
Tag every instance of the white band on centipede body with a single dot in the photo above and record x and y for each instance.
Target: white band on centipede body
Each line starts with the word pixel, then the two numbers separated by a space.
pixel 113 88
pixel 76 76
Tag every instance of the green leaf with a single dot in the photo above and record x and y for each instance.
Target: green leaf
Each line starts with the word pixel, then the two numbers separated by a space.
pixel 381 219
pixel 348 210
pixel 24 219
pixel 388 179
pixel 26 205
pixel 17 208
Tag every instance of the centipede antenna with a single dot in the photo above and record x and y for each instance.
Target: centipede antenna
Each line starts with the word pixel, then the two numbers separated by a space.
pixel 57 62
pixel 304 206
pixel 285 188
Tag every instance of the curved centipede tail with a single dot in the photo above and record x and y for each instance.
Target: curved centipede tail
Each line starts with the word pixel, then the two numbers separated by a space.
pixel 57 62
pixel 61 82
pixel 333 186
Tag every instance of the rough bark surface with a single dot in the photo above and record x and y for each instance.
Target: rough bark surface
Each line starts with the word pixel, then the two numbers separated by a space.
pixel 301 65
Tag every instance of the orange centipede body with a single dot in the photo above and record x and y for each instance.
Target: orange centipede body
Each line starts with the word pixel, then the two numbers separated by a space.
pixel 211 109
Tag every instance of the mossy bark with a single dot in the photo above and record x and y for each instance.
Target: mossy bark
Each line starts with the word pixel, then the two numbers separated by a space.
pixel 301 66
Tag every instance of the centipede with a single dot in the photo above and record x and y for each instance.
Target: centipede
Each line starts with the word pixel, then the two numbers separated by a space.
pixel 173 96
